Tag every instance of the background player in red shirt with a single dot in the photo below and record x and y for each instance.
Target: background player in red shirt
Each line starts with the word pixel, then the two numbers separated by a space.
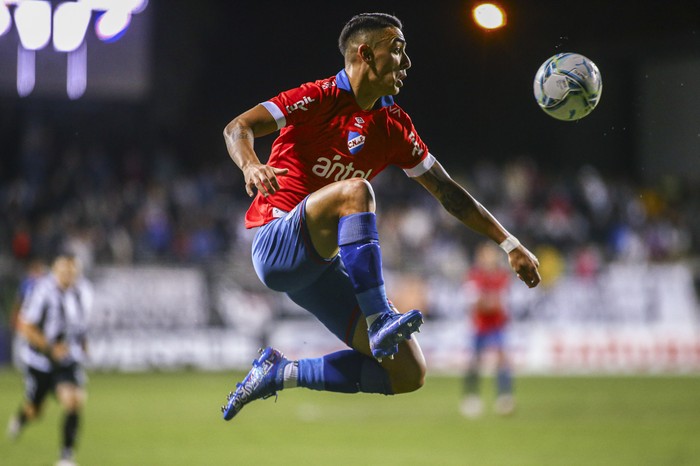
pixel 487 284
pixel 317 238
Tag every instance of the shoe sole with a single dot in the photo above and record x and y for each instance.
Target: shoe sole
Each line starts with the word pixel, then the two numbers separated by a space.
pixel 408 323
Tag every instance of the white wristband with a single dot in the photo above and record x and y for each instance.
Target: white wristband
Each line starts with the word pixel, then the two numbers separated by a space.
pixel 510 243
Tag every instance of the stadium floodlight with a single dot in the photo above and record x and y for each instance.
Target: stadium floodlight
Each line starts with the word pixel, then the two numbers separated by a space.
pixel 132 6
pixel 489 16
pixel 76 73
pixel 33 20
pixel 112 24
pixel 5 19
pixel 70 21
pixel 26 71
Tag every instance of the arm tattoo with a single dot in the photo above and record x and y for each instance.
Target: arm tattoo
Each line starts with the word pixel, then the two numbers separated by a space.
pixel 455 200
pixel 459 203
pixel 453 197
pixel 242 133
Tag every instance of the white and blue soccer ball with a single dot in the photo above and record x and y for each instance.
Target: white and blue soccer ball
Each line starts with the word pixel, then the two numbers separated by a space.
pixel 568 86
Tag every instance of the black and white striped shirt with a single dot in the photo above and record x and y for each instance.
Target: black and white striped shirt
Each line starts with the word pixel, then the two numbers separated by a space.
pixel 61 315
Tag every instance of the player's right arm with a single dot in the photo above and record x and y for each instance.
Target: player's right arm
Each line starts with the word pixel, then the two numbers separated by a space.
pixel 36 338
pixel 239 135
pixel 31 314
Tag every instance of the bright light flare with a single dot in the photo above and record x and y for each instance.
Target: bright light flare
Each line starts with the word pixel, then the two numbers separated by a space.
pixel 489 16
pixel 111 25
pixel 70 21
pixel 33 19
pixel 5 19
pixel 132 6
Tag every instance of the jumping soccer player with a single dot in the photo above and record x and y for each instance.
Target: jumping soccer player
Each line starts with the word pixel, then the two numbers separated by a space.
pixel 317 237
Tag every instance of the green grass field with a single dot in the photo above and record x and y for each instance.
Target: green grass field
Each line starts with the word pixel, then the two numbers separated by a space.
pixel 173 419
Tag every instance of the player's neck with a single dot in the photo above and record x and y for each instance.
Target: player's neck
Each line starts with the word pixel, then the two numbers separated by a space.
pixel 365 97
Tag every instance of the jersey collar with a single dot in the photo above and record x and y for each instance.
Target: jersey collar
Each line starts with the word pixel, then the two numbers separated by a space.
pixel 343 82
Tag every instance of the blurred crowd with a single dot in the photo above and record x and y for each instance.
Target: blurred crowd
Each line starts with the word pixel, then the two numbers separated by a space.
pixel 115 207
pixel 134 205
pixel 575 220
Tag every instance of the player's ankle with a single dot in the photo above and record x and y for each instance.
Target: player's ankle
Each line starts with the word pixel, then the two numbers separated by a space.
pixel 371 318
pixel 290 375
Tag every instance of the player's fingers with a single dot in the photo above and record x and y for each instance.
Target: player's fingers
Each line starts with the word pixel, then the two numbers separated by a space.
pixel 528 281
pixel 262 188
pixel 529 276
pixel 249 190
pixel 275 184
pixel 265 181
pixel 534 280
pixel 268 186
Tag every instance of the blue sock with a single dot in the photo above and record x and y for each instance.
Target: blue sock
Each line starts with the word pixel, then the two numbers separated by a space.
pixel 504 381
pixel 358 240
pixel 472 381
pixel 346 371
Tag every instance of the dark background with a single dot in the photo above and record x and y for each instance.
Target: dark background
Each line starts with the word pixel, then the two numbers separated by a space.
pixel 469 91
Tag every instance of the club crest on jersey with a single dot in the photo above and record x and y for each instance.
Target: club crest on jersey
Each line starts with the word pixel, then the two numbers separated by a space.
pixel 355 142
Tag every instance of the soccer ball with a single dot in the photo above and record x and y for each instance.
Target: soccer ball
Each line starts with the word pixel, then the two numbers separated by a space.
pixel 568 86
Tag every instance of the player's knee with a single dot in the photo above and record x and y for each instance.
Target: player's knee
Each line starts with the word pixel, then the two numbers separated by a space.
pixel 410 378
pixel 358 195
pixel 70 397
pixel 31 411
pixel 407 384
pixel 72 405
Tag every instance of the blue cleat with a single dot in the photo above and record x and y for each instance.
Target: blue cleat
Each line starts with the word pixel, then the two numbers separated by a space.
pixel 390 329
pixel 263 381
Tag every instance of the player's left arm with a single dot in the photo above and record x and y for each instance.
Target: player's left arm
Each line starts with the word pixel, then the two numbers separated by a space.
pixel 239 135
pixel 462 205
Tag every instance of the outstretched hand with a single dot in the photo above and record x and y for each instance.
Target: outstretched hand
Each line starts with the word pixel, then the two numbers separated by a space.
pixel 525 265
pixel 263 177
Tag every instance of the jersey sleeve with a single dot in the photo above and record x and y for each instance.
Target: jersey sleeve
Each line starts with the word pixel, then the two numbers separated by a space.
pixel 422 167
pixel 86 293
pixel 295 106
pixel 411 153
pixel 34 305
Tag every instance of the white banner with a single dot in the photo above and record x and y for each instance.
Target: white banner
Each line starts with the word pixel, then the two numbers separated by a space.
pixel 632 319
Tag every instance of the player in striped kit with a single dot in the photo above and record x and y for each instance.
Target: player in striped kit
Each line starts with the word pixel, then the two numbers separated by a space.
pixel 53 323
pixel 314 210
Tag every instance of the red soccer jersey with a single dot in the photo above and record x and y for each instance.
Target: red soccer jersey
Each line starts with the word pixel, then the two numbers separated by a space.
pixel 325 137
pixel 489 312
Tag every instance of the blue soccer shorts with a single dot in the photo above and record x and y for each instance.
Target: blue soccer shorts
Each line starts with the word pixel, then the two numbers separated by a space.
pixel 492 339
pixel 285 260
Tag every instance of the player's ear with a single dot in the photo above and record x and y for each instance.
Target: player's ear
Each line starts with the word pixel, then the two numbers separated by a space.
pixel 365 53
